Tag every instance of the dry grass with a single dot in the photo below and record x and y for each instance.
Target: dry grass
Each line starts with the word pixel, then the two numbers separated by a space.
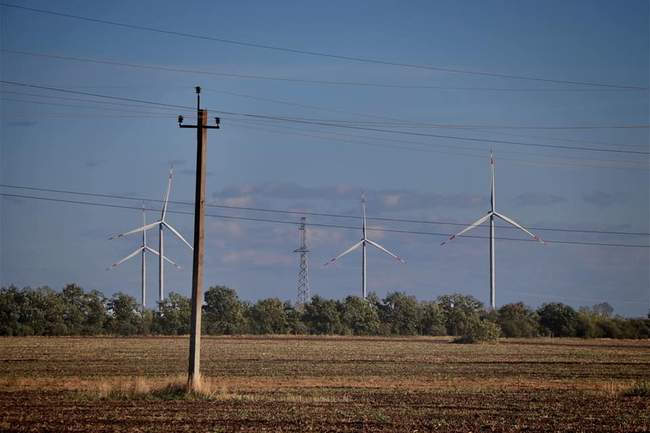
pixel 169 388
pixel 638 389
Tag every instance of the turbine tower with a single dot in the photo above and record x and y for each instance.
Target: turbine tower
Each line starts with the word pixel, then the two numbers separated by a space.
pixel 143 250
pixel 161 224
pixel 303 269
pixel 491 216
pixel 363 243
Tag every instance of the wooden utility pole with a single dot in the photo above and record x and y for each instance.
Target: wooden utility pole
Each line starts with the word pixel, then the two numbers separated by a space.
pixel 193 370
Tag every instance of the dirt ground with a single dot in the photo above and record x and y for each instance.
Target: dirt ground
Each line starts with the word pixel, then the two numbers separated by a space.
pixel 330 384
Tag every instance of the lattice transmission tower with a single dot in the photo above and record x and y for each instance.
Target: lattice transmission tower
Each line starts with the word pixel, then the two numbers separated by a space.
pixel 303 267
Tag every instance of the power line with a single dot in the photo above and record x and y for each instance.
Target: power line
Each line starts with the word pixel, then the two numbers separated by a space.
pixel 421 134
pixel 596 163
pixel 321 54
pixel 336 125
pixel 306 213
pixel 337 226
pixel 90 107
pixel 344 83
pixel 96 95
pixel 387 120
pixel 427 147
pixel 92 101
pixel 101 112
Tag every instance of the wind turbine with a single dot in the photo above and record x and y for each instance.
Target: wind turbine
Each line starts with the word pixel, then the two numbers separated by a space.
pixel 363 243
pixel 143 250
pixel 161 224
pixel 491 215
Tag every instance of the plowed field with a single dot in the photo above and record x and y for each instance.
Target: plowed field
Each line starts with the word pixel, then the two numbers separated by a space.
pixel 311 384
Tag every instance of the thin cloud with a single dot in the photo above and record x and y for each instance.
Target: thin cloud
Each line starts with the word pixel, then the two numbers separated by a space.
pixel 380 200
pixel 538 199
pixel 604 199
pixel 22 123
pixel 95 163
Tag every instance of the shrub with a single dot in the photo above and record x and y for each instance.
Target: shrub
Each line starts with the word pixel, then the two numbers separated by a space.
pixel 480 331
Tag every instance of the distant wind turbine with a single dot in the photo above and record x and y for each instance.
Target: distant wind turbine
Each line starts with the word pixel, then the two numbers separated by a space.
pixel 362 243
pixel 143 250
pixel 491 215
pixel 161 224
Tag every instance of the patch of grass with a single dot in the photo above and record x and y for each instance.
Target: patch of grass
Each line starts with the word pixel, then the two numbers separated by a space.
pixel 175 388
pixel 141 388
pixel 639 389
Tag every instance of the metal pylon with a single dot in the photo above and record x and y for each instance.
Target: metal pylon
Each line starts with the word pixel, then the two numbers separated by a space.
pixel 303 267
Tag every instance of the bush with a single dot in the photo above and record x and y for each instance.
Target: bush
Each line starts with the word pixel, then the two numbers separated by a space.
pixel 480 331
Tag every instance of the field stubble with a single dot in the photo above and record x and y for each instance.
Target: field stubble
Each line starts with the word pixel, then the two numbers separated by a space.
pixel 331 384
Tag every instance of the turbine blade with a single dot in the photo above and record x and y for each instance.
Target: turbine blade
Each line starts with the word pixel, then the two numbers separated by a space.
pixel 178 235
pixel 376 245
pixel 151 250
pixel 169 188
pixel 519 226
pixel 475 224
pixel 349 250
pixel 138 230
pixel 126 258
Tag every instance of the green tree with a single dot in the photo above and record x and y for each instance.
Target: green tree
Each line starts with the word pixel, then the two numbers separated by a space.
pixel 603 309
pixel 432 319
pixel 401 313
pixel 321 316
pixel 173 316
pixel 295 324
pixel 95 314
pixel 84 313
pixel 125 319
pixel 558 320
pixel 518 320
pixel 461 312
pixel 360 316
pixel 11 308
pixel 224 312
pixel 268 317
pixel 45 312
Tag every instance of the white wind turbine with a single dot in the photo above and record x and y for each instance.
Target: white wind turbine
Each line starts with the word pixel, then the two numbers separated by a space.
pixel 491 215
pixel 362 243
pixel 161 224
pixel 143 250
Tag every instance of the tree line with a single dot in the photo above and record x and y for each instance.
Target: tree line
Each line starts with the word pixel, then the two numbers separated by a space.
pixel 74 311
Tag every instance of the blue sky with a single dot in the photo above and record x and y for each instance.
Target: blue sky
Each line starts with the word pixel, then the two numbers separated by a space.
pixel 127 150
